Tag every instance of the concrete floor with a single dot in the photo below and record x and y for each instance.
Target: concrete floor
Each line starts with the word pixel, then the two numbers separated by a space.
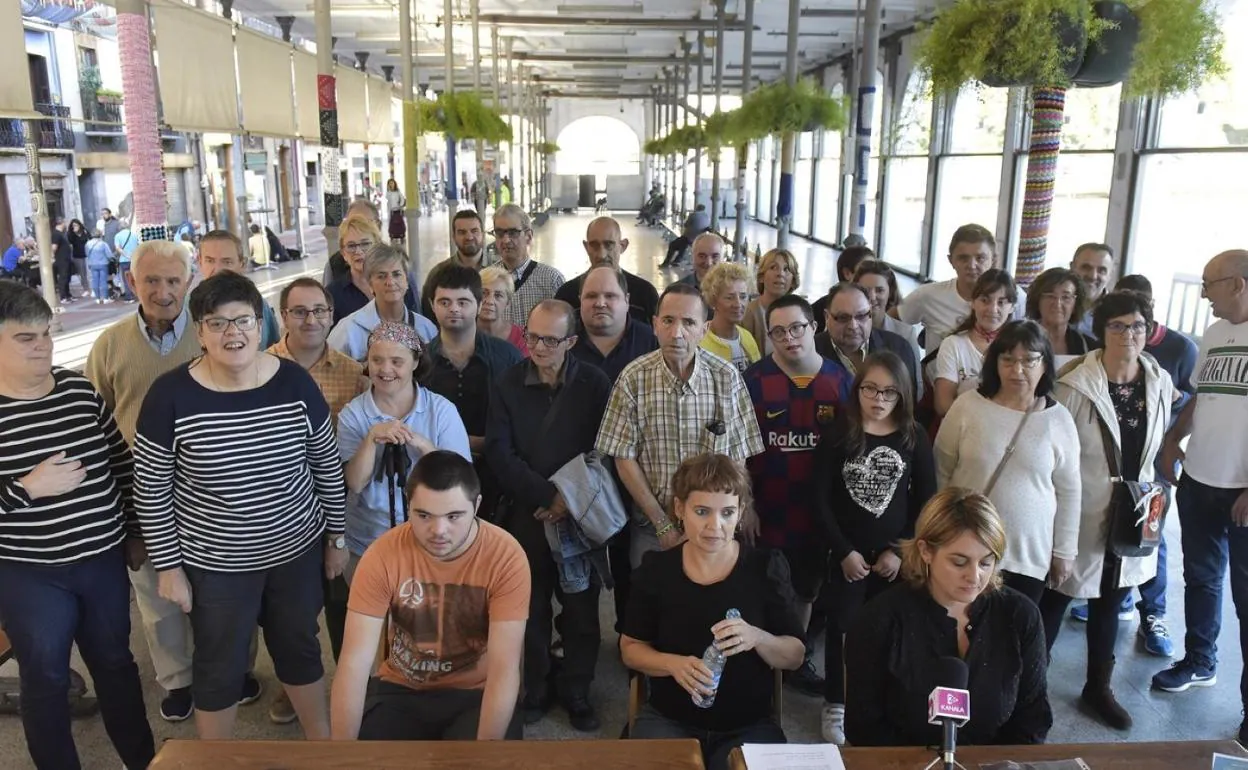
pixel 1212 713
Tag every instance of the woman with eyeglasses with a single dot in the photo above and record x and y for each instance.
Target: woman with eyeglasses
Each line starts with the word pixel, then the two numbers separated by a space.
pixel 1057 300
pixel 384 431
pixel 777 276
pixel 385 268
pixel 1013 441
pixel 956 369
pixel 726 290
pixel 240 497
pixel 1120 400
pixel 878 473
pixel 493 317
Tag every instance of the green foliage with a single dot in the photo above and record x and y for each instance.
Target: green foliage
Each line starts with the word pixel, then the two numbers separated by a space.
pixel 1180 43
pixel 89 81
pixel 777 108
pixel 462 115
pixel 1181 46
pixel 547 148
pixel 108 95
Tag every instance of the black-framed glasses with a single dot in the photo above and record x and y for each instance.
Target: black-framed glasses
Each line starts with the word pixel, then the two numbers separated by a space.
pixel 1134 329
pixel 550 343
pixel 357 246
pixel 795 330
pixel 1064 298
pixel 217 325
pixel 1027 362
pixel 509 232
pixel 887 395
pixel 301 313
pixel 844 318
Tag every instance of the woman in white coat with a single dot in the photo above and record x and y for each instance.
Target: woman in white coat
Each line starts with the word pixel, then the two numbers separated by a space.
pixel 1126 390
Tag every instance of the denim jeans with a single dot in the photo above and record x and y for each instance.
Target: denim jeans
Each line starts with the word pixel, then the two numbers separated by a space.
pixel 1153 593
pixel 1210 540
pixel 99 282
pixel 44 611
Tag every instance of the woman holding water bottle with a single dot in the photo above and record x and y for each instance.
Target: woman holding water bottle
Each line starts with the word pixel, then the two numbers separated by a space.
pixel 711 603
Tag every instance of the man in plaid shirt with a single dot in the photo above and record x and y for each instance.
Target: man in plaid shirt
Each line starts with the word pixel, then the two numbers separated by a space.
pixel 513 236
pixel 674 403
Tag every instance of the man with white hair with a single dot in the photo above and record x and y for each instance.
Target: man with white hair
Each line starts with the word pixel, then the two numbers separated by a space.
pixel 534 281
pixel 122 365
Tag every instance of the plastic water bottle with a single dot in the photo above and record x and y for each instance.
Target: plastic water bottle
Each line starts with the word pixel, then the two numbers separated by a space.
pixel 714 660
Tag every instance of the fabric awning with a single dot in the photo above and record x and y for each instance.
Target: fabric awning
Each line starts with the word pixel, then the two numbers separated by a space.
pixel 195 68
pixel 265 84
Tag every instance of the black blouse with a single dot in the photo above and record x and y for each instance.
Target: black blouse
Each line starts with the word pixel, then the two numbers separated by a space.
pixel 674 615
pixel 890 652
pixel 1130 401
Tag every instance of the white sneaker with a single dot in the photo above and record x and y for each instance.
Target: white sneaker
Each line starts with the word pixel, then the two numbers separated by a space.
pixel 834 723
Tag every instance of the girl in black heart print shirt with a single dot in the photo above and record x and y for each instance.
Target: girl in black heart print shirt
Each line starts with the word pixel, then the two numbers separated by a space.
pixel 877 473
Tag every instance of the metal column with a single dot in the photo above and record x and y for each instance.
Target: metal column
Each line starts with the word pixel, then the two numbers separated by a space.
pixel 327 102
pixel 498 156
pixel 513 116
pixel 43 225
pixel 868 88
pixel 411 144
pixel 719 94
pixel 479 201
pixel 697 154
pixel 743 151
pixel 788 143
pixel 683 90
pixel 452 172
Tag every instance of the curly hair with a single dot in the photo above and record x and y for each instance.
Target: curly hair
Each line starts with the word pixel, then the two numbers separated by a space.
pixel 719 278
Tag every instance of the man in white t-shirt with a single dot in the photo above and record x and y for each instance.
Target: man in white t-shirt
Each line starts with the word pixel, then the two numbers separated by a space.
pixel 1094 262
pixel 1213 493
pixel 941 306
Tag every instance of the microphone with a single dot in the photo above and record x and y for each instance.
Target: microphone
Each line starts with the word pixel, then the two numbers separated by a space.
pixel 949 705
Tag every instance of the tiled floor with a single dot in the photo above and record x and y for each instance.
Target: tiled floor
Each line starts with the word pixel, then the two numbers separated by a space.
pixel 1205 713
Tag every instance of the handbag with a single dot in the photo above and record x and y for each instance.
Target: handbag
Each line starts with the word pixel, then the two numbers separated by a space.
pixel 1137 509
pixel 1009 452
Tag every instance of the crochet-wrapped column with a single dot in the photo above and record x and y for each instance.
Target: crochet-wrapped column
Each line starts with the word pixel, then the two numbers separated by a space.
pixel 138 80
pixel 1048 110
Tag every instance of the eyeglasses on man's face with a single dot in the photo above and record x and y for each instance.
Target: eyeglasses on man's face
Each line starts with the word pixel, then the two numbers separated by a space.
pixel 845 318
pixel 794 330
pixel 320 312
pixel 550 343
pixel 508 233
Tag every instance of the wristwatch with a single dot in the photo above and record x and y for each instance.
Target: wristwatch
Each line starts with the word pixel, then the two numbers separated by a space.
pixel 337 542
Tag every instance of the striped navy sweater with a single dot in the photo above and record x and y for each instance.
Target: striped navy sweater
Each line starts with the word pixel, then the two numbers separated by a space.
pixel 237 481
pixel 81 523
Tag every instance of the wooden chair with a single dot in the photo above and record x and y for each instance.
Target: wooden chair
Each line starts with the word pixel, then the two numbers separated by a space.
pixel 637 688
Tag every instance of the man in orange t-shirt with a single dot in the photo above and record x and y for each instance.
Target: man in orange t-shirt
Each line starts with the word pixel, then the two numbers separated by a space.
pixel 456 590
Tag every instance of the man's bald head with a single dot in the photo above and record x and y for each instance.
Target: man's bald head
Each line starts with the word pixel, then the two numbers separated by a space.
pixel 604 242
pixel 708 251
pixel 1233 262
pixel 1225 285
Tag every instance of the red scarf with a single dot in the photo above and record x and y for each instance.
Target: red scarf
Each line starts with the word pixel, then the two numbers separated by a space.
pixel 1158 335
pixel 988 336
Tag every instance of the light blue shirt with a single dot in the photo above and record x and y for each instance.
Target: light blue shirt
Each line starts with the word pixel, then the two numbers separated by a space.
pixel 126 242
pixel 432 416
pixel 169 340
pixel 350 336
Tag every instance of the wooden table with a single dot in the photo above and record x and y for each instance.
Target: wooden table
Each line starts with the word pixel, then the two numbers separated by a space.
pixel 429 755
pixel 1173 755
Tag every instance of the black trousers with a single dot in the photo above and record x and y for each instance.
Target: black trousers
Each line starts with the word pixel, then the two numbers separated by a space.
pixel 578 620
pixel 62 268
pixel 393 712
pixel 621 572
pixel 675 249
pixel 842 600
pixel 1102 613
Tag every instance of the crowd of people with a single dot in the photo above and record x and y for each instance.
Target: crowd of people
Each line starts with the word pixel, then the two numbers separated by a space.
pixel 433 470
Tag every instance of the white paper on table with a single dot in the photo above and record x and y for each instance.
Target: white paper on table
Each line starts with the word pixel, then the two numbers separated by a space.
pixel 792 756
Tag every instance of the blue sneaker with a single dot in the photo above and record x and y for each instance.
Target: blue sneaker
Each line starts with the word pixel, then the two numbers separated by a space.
pixel 1156 637
pixel 1184 675
pixel 1126 610
pixel 1080 612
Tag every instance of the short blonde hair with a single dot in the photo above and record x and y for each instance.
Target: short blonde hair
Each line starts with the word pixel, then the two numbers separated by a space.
pixel 494 274
pixel 362 225
pixel 168 249
pixel 951 512
pixel 774 255
pixel 719 278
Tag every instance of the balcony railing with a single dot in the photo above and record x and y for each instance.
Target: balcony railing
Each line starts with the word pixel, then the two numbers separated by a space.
pixel 102 117
pixel 54 132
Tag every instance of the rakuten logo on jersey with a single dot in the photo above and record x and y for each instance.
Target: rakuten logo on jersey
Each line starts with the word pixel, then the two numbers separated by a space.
pixel 792 441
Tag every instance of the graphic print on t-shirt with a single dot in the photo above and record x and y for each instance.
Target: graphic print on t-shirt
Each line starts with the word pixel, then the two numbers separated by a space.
pixel 1225 371
pixel 872 478
pixel 437 630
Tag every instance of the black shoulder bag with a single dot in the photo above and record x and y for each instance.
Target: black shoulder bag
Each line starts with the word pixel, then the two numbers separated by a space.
pixel 1137 509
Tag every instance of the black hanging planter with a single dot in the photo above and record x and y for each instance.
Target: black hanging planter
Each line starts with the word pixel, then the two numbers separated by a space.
pixel 1072 34
pixel 1107 61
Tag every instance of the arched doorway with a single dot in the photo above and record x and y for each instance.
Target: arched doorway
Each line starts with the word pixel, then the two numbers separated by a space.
pixel 599 155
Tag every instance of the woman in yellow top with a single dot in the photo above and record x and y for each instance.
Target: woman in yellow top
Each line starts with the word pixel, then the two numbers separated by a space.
pixel 726 289
pixel 258 244
pixel 777 276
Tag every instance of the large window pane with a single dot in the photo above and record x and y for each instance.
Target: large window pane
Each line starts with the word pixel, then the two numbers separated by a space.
pixel 912 126
pixel 1080 204
pixel 802 191
pixel 1216 115
pixel 1091 121
pixel 829 180
pixel 1203 195
pixel 979 120
pixel 751 179
pixel 967 194
pixel 904 207
pixel 766 167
